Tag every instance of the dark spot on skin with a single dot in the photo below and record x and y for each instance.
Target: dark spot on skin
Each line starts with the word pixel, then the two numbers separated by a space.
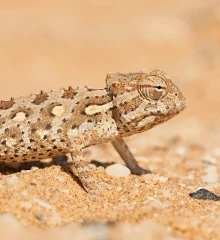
pixel 18 125
pixel 22 132
pixel 45 136
pixel 53 140
pixel 74 126
pixel 13 135
pixel 62 140
pixel 59 131
pixel 3 142
pixel 77 102
pixel 83 112
pixel 72 110
pixel 64 120
pixel 54 147
pixel 6 130
pixel 40 98
pixel 89 121
pixel 3 122
pixel 33 130
pixel 42 146
pixel 29 147
pixel 33 157
pixel 6 104
pixel 48 126
pixel 21 140
pixel 38 119
pixel 87 97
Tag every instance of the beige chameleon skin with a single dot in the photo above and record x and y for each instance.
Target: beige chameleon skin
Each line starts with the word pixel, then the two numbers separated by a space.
pixel 50 124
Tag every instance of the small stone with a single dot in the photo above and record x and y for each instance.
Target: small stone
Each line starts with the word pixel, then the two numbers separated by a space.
pixel 119 188
pixel 204 194
pixel 182 185
pixel 117 170
pixel 41 217
pixel 12 180
pixel 42 204
pixel 163 179
pixel 34 168
pixel 180 150
pixel 60 178
pixel 211 176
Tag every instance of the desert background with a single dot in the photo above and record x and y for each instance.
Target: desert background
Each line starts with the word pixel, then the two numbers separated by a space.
pixel 47 45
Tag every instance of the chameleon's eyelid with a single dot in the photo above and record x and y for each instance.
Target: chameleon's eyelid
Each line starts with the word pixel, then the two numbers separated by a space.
pixel 156 75
pixel 144 91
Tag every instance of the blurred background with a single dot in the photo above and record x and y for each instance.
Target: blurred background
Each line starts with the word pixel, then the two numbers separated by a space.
pixel 51 44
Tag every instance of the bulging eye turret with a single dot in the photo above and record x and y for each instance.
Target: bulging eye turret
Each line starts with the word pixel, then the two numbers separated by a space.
pixel 153 87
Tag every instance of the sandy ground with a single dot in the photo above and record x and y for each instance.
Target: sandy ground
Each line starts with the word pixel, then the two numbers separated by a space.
pixel 52 44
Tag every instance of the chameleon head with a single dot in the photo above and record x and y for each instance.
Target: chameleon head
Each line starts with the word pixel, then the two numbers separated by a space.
pixel 143 99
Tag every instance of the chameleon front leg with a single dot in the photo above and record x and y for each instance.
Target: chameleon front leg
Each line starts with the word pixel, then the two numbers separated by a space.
pixel 81 166
pixel 123 150
pixel 83 171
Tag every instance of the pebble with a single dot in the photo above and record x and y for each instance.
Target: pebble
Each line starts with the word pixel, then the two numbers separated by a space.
pixel 60 178
pixel 211 176
pixel 34 168
pixel 163 179
pixel 41 217
pixel 42 204
pixel 11 180
pixel 119 188
pixel 204 194
pixel 117 170
pixel 181 151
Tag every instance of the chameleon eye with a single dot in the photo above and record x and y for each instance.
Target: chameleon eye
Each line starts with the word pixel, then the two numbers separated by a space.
pixel 152 87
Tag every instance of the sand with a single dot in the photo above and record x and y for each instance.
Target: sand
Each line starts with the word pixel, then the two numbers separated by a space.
pixel 50 44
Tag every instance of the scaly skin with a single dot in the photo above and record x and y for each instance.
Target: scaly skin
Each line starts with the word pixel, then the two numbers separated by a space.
pixel 44 125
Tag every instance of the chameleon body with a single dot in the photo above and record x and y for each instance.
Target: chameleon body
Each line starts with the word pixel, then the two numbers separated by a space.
pixel 45 125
